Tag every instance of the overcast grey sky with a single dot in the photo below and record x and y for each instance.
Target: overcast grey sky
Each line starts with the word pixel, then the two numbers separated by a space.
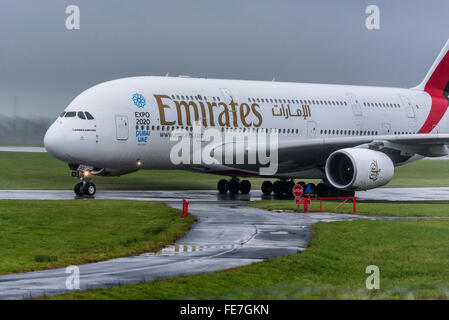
pixel 45 66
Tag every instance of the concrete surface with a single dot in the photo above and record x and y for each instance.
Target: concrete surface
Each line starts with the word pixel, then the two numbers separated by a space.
pixel 22 149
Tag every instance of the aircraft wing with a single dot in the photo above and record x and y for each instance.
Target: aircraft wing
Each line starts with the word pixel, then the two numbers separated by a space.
pixel 314 152
pixel 399 147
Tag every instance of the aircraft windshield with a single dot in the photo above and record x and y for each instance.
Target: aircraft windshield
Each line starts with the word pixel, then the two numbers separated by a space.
pixel 84 115
pixel 81 115
pixel 89 116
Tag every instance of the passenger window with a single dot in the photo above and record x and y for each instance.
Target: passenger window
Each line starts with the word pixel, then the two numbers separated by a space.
pixel 81 115
pixel 70 114
pixel 89 116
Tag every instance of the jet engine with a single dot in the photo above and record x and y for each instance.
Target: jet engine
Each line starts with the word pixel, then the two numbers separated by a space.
pixel 358 169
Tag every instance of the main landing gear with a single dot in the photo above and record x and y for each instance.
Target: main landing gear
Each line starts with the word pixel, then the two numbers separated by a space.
pixel 283 189
pixel 234 186
pixel 280 188
pixel 326 190
pixel 85 187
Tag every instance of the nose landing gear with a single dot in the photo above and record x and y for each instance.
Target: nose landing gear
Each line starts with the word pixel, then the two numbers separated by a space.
pixel 85 187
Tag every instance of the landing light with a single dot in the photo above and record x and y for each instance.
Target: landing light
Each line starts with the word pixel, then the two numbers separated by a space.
pixel 86 173
pixel 139 163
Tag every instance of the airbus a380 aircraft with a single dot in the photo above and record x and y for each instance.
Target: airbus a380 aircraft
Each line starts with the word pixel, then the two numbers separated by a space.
pixel 351 137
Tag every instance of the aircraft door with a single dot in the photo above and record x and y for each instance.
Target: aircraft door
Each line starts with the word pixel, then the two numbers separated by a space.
pixel 355 104
pixel 311 129
pixel 122 127
pixel 386 128
pixel 408 106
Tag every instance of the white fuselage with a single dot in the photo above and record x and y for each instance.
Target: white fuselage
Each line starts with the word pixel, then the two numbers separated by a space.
pixel 125 130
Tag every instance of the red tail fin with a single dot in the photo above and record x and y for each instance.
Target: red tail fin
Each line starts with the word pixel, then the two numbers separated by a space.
pixel 436 84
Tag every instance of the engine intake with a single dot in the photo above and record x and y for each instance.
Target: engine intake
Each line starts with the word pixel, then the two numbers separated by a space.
pixel 358 169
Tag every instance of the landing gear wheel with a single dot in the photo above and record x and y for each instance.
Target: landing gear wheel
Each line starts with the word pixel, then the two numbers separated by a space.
pixel 234 186
pixel 267 187
pixel 223 186
pixel 277 188
pixel 245 186
pixel 284 189
pixel 79 189
pixel 89 189
pixel 333 192
pixel 290 184
pixel 322 190
pixel 349 193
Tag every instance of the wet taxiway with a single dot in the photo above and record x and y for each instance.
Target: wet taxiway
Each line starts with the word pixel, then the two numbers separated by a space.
pixel 226 235
pixel 22 149
pixel 384 194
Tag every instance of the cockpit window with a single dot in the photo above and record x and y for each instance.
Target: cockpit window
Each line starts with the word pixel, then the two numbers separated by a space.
pixel 70 114
pixel 81 115
pixel 62 114
pixel 89 116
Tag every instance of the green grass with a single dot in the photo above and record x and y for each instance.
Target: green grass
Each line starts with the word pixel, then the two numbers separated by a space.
pixel 41 171
pixel 22 170
pixel 412 256
pixel 424 173
pixel 393 209
pixel 46 234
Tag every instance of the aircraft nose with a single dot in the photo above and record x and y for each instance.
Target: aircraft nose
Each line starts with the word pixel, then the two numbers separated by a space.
pixel 54 142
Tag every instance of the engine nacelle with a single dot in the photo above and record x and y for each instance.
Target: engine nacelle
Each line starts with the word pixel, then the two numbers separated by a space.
pixel 358 169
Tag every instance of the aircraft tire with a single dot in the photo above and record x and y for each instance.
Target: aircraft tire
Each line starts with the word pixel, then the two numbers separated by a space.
pixel 290 185
pixel 245 186
pixel 234 186
pixel 89 189
pixel 284 189
pixel 277 188
pixel 349 193
pixel 322 190
pixel 223 186
pixel 267 187
pixel 78 189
